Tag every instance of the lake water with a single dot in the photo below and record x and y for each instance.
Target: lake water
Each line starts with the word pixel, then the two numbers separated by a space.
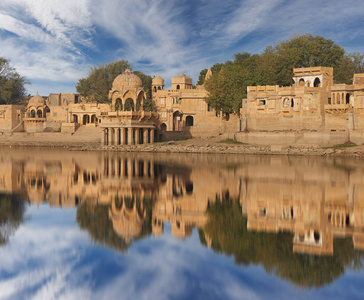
pixel 108 225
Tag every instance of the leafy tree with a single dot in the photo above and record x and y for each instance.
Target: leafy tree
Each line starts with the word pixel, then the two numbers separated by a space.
pixel 11 216
pixel 227 228
pixel 299 52
pixel 215 69
pixel 275 66
pixel 147 86
pixel 97 85
pixel 11 83
pixel 349 64
pixel 95 220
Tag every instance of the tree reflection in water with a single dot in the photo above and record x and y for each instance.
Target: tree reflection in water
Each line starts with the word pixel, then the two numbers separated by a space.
pixel 11 216
pixel 226 227
pixel 96 220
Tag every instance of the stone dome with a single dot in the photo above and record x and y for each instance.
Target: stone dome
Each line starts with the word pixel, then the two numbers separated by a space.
pixel 127 79
pixel 36 101
pixel 158 80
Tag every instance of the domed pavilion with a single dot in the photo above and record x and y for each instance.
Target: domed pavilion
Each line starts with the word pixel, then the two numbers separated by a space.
pixel 127 123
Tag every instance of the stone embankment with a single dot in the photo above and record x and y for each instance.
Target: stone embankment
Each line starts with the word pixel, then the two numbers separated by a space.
pixel 201 145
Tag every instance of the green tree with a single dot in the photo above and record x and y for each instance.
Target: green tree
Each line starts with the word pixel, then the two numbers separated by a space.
pixel 12 85
pixel 350 64
pixel 215 69
pixel 298 52
pixel 147 86
pixel 97 85
pixel 11 216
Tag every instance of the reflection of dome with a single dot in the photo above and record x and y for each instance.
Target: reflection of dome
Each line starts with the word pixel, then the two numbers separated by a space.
pixel 36 101
pixel 127 79
pixel 158 81
pixel 127 223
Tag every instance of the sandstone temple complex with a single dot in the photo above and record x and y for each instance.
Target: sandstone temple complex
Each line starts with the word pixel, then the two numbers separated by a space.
pixel 313 110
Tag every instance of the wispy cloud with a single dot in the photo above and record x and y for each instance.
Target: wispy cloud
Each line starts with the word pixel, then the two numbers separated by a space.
pixel 59 40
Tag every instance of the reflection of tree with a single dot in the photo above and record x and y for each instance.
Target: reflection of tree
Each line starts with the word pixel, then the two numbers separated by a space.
pixel 11 216
pixel 228 230
pixel 95 219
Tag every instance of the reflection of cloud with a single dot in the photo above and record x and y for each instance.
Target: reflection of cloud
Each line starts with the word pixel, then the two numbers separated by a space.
pixel 50 258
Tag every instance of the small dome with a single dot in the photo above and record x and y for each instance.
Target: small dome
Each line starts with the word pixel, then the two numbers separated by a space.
pixel 36 101
pixel 158 80
pixel 127 79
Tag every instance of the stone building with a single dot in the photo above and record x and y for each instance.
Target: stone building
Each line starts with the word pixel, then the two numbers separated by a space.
pixel 183 110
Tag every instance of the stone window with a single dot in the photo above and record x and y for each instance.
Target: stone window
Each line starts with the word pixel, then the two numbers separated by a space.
pixel 261 102
pixel 286 102
pixel 189 121
pixel 317 82
pixel 162 101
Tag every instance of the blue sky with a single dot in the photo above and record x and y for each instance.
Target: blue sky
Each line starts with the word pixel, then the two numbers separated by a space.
pixel 53 43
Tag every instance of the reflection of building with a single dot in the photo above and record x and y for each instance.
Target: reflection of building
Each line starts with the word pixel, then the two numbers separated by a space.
pixel 317 200
pixel 314 202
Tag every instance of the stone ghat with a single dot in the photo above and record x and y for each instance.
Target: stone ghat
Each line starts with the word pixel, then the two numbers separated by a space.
pixel 207 145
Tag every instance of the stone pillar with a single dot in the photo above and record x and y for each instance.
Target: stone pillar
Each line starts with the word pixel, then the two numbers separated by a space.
pixel 137 135
pixel 152 136
pixel 130 167
pixel 130 136
pixel 122 136
pixel 111 136
pixel 103 137
pixel 145 136
pixel 145 171
pixel 136 166
pixel 117 139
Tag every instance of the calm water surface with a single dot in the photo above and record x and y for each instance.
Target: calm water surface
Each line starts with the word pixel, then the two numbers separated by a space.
pixel 95 225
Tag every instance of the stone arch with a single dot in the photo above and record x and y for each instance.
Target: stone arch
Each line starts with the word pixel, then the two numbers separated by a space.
pixel 46 111
pixel 140 101
pixel 189 121
pixel 317 82
pixel 129 105
pixel 347 100
pixel 177 116
pixel 39 113
pixel 308 83
pixel 163 127
pixel 93 119
pixel 155 89
pixel 75 118
pixel 178 87
pixel 118 104
pixel 286 102
pixel 85 119
pixel 301 82
pixel 32 113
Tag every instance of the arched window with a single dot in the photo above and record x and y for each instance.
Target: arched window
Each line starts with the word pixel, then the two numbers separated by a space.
pixel 118 104
pixel 75 119
pixel 32 113
pixel 129 105
pixel 86 119
pixel 189 121
pixel 286 102
pixel 178 87
pixel 39 113
pixel 93 119
pixel 302 82
pixel 164 127
pixel 317 82
pixel 347 98
pixel 155 89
